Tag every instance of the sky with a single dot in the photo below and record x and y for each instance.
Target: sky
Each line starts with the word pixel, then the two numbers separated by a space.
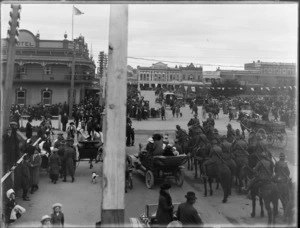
pixel 208 35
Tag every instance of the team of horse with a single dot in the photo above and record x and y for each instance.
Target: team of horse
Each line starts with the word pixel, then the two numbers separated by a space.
pixel 197 146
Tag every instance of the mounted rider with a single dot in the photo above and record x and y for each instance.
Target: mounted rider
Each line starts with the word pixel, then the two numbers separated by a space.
pixel 215 155
pixel 181 135
pixel 210 119
pixel 230 133
pixel 282 172
pixel 240 147
pixel 227 154
pixel 194 126
pixel 263 171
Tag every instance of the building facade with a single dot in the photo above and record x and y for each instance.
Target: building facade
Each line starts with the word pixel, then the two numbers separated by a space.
pixel 210 76
pixel 159 74
pixel 43 69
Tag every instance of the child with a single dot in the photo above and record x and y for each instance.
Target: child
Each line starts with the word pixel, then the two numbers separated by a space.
pixel 57 217
pixel 46 221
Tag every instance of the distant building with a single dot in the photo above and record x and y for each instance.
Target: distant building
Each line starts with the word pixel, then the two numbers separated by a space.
pixel 274 73
pixel 263 74
pixel 162 75
pixel 132 77
pixel 43 69
pixel 210 76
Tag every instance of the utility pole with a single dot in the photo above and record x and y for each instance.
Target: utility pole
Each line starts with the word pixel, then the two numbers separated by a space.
pixel 71 98
pixel 7 79
pixel 113 180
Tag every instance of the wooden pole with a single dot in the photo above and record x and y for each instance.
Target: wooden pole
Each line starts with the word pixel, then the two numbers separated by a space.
pixel 113 182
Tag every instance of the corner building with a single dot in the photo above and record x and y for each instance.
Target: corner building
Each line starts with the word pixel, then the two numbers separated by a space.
pixel 43 69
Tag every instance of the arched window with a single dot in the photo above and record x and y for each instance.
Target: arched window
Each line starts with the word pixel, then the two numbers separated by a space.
pixel 21 96
pixel 46 96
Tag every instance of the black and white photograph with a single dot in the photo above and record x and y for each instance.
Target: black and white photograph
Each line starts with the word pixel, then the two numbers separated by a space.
pixel 149 114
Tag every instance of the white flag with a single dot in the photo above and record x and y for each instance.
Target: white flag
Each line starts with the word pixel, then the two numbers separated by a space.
pixel 185 87
pixel 193 89
pixel 76 11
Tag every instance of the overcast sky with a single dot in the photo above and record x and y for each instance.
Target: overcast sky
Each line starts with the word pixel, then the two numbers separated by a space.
pixel 205 34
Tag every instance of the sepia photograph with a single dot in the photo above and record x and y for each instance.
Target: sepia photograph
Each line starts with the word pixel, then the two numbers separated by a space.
pixel 146 114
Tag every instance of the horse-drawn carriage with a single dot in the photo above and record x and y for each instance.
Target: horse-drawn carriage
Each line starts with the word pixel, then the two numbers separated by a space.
pixel 272 132
pixel 159 167
pixel 89 151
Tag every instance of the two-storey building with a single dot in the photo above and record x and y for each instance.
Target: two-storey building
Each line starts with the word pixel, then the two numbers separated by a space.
pixel 43 69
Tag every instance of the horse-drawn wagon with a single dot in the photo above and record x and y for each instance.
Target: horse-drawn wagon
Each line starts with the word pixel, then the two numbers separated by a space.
pixel 272 132
pixel 89 151
pixel 159 167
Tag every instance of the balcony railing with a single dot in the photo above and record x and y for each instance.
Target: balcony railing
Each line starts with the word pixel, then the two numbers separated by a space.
pixel 54 78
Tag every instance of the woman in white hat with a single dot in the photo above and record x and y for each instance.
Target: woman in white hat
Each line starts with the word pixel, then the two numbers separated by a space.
pixel 10 203
pixel 46 221
pixel 57 217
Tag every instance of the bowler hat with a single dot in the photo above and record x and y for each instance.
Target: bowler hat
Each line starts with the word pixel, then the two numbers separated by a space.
pixel 190 195
pixel 165 186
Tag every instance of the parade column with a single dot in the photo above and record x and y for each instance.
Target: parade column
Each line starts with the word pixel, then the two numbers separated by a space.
pixel 113 180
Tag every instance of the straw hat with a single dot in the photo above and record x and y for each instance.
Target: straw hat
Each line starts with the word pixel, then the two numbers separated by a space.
pixel 45 217
pixel 56 205
pixel 9 192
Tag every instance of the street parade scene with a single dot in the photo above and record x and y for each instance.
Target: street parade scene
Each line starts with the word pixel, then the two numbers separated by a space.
pixel 160 139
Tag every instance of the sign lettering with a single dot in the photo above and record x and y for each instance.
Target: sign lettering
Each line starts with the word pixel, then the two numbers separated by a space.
pixel 25 44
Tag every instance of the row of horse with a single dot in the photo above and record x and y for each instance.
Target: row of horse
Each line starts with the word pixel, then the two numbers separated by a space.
pixel 197 148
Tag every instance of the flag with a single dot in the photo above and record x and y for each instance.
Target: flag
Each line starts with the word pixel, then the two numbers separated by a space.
pixel 185 87
pixel 252 89
pixel 193 89
pixel 77 11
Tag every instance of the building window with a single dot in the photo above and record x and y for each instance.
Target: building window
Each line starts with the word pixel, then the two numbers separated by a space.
pixel 21 97
pixel 46 97
pixel 48 70
pixel 22 69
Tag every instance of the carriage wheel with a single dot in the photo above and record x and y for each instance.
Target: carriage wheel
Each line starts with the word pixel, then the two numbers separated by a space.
pixel 280 139
pixel 263 133
pixel 149 179
pixel 179 178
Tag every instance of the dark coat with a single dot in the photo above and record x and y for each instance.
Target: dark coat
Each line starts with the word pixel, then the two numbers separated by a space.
pixel 35 164
pixel 57 220
pixel 188 215
pixel 158 148
pixel 70 158
pixel 8 206
pixel 54 164
pixel 25 172
pixel 64 119
pixel 28 130
pixel 164 214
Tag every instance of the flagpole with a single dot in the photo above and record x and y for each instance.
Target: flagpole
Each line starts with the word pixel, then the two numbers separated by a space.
pixel 73 70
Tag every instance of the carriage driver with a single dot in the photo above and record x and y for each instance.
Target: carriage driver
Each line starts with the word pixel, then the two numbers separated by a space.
pixel 263 170
pixel 214 156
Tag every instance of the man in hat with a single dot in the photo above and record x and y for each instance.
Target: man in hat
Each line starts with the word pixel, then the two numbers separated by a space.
pixel 194 121
pixel 230 133
pixel 35 163
pixel 54 165
pixel 71 130
pixel 186 212
pixel 282 171
pixel 29 128
pixel 150 145
pixel 263 171
pixel 64 121
pixel 69 160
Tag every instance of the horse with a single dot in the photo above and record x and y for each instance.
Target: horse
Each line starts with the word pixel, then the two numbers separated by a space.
pixel 240 161
pixel 200 155
pixel 284 187
pixel 270 194
pixel 254 191
pixel 222 174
